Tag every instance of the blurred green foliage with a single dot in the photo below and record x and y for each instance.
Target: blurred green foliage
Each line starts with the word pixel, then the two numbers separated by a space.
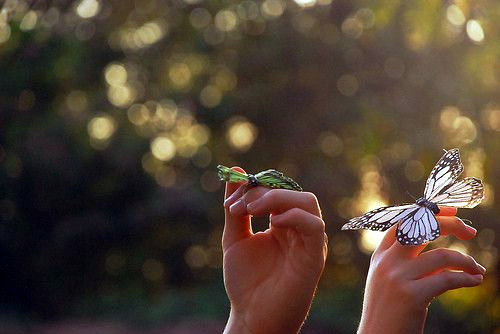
pixel 113 116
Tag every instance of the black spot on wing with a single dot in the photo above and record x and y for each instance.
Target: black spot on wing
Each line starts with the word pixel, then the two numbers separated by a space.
pixel 383 221
pixel 419 231
pixel 436 181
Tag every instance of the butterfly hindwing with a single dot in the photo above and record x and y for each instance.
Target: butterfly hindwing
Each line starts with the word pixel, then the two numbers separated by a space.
pixel 273 179
pixel 382 218
pixel 466 193
pixel 419 227
pixel 446 171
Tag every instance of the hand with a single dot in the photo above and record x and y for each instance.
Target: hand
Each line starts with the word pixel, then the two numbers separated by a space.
pixel 271 276
pixel 402 281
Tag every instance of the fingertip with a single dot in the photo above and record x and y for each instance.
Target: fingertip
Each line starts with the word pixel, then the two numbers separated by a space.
pixel 238 169
pixel 478 278
pixel 471 230
pixel 231 187
pixel 447 211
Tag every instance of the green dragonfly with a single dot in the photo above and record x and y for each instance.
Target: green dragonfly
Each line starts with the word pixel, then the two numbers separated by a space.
pixel 270 178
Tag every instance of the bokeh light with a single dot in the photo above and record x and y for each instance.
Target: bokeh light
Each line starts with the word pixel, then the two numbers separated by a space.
pixel 241 134
pixel 87 8
pixel 475 31
pixel 455 15
pixel 29 21
pixel 163 148
pixel 101 127
pixel 370 240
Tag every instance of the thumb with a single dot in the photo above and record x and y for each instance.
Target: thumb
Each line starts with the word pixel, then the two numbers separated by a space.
pixel 236 227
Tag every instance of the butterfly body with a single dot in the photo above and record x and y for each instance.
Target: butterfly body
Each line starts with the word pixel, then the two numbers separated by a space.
pixel 417 223
pixel 252 180
pixel 424 202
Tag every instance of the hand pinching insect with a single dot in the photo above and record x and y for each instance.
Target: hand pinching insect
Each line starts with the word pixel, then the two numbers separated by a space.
pixel 417 223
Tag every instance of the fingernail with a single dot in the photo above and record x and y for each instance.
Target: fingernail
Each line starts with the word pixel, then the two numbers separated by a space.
pixel 230 200
pixel 471 229
pixel 478 278
pixel 481 269
pixel 238 208
pixel 227 201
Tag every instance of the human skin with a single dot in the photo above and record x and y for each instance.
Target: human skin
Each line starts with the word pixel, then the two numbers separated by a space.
pixel 271 276
pixel 402 281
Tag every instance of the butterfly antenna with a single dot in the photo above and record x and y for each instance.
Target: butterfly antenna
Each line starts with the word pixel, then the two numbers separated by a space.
pixel 414 198
pixel 467 221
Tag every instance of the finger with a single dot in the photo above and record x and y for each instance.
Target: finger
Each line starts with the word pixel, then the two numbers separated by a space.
pixel 451 225
pixel 448 226
pixel 236 227
pixel 388 240
pixel 434 285
pixel 390 235
pixel 235 195
pixel 440 259
pixel 309 226
pixel 231 187
pixel 250 194
pixel 447 211
pixel 277 201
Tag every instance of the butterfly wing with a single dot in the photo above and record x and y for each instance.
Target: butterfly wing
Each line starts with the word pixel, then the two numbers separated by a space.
pixel 229 175
pixel 382 218
pixel 466 193
pixel 417 228
pixel 271 178
pixel 446 171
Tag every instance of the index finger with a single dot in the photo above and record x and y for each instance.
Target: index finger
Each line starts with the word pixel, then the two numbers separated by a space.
pixel 277 201
pixel 448 225
pixel 231 187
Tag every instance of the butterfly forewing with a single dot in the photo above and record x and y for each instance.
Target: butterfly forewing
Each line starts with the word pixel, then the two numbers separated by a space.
pixel 466 193
pixel 229 175
pixel 273 179
pixel 446 171
pixel 418 228
pixel 382 218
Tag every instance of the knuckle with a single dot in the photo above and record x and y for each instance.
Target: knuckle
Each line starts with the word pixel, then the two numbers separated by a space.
pixel 311 198
pixel 470 260
pixel 382 268
pixel 319 224
pixel 443 255
pixel 449 279
pixel 394 278
pixel 408 293
pixel 272 194
pixel 295 212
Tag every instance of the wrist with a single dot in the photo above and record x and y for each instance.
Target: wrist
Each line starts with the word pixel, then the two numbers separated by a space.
pixel 236 324
pixel 393 321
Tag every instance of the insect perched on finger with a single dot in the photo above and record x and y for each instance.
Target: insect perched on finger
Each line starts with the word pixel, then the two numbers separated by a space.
pixel 270 178
pixel 417 222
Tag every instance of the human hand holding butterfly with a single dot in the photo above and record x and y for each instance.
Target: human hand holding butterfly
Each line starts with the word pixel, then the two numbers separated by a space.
pixel 402 281
pixel 271 276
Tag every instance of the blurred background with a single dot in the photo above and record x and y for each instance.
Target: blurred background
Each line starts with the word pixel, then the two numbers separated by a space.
pixel 114 115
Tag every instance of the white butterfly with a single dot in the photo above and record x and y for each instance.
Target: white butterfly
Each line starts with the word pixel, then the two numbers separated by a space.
pixel 417 223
